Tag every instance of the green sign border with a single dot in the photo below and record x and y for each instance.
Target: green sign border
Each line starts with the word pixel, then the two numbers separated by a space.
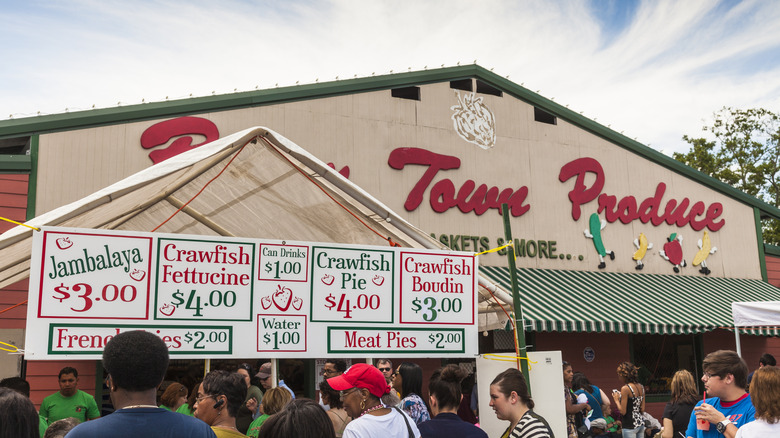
pixel 410 329
pixel 392 284
pixel 139 326
pixel 157 278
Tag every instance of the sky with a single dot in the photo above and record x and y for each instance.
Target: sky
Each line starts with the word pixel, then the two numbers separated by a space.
pixel 654 70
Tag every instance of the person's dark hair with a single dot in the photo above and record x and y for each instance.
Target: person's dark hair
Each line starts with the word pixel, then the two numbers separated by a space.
pixel 18 417
pixel 411 378
pixel 334 400
pixel 628 372
pixel 17 384
pixel 231 385
pixel 339 364
pixel 767 359
pixel 68 370
pixel 579 381
pixel 724 362
pixel 301 418
pixel 445 385
pixel 60 428
pixel 193 396
pixel 172 394
pixel 136 360
pixel 513 380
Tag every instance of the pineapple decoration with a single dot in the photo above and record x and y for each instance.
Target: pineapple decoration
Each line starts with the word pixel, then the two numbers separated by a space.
pixel 474 122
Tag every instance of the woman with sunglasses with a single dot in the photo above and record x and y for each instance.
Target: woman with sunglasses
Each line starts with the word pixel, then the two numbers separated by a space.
pixel 361 389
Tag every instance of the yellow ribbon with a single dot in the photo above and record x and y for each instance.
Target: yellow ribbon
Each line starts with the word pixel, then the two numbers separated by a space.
pixel 495 249
pixel 15 348
pixel 19 223
pixel 507 358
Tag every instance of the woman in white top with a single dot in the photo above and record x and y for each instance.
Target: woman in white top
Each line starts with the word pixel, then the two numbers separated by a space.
pixel 361 389
pixel 764 390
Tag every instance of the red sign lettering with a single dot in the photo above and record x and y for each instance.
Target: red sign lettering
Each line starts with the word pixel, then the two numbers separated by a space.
pixel 443 195
pixel 159 134
pixel 626 209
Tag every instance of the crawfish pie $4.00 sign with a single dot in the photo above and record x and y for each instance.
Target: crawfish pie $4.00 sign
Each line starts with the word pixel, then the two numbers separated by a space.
pixel 208 296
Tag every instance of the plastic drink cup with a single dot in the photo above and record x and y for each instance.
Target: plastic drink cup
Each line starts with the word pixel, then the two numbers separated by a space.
pixel 702 424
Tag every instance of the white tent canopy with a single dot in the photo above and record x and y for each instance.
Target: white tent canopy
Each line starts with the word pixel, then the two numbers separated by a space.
pixel 254 183
pixel 754 314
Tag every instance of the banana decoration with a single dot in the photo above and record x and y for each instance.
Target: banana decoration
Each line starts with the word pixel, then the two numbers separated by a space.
pixel 594 232
pixel 642 245
pixel 705 249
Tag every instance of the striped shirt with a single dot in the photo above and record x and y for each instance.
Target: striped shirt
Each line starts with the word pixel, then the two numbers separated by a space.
pixel 531 425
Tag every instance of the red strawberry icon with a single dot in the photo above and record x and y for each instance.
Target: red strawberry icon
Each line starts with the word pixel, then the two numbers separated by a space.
pixel 297 303
pixel 265 302
pixel 137 274
pixel 328 279
pixel 167 309
pixel 282 298
pixel 377 280
pixel 64 243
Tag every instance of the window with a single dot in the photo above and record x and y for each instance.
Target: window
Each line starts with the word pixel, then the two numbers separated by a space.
pixel 412 93
pixel 658 357
pixel 15 146
pixel 544 117
pixel 463 84
pixel 488 89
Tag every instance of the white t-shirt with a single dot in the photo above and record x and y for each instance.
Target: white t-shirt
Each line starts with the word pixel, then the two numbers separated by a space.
pixel 391 425
pixel 759 429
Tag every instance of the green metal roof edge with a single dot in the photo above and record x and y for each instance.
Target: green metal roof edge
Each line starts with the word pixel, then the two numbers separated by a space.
pixel 771 250
pixel 224 102
pixel 15 163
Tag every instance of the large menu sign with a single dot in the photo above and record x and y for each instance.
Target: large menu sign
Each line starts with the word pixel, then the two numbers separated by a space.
pixel 210 296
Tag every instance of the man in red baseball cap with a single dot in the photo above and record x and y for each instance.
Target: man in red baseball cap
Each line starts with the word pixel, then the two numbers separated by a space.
pixel 361 389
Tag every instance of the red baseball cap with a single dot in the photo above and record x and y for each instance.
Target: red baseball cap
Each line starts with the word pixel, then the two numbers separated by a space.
pixel 361 375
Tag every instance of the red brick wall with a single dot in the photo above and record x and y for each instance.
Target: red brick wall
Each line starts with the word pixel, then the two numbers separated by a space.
pixel 773 269
pixel 10 296
pixel 13 199
pixel 42 375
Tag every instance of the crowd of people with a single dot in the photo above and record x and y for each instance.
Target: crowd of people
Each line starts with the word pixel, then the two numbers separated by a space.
pixel 379 400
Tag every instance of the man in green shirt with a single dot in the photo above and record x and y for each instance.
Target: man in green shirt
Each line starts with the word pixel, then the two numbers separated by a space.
pixel 69 401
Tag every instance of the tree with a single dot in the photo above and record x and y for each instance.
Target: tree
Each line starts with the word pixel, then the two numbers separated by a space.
pixel 744 154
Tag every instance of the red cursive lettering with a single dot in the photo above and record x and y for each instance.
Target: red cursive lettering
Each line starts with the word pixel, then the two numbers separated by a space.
pixel 626 209
pixel 159 134
pixel 443 195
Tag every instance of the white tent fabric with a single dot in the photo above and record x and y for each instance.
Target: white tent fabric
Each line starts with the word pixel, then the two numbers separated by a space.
pixel 754 314
pixel 259 184
pixel 758 313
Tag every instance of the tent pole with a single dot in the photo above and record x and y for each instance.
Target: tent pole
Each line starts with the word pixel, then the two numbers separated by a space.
pixel 739 346
pixel 519 323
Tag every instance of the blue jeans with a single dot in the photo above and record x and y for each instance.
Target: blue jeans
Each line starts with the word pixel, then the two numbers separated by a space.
pixel 639 432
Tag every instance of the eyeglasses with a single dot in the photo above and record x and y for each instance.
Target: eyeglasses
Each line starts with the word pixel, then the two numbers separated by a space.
pixel 345 393
pixel 327 371
pixel 709 376
pixel 200 398
pixel 384 370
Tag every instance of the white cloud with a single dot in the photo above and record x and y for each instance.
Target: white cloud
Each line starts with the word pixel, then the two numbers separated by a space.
pixel 657 79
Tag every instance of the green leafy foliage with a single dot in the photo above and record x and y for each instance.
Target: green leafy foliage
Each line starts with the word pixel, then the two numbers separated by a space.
pixel 745 154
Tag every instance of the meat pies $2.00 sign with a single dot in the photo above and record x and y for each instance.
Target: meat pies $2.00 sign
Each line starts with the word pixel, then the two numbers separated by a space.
pixel 208 296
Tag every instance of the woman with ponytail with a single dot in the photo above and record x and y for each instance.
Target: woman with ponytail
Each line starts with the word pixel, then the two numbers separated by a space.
pixel 445 394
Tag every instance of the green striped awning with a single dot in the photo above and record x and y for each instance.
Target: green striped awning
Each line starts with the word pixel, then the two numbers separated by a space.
pixel 588 301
